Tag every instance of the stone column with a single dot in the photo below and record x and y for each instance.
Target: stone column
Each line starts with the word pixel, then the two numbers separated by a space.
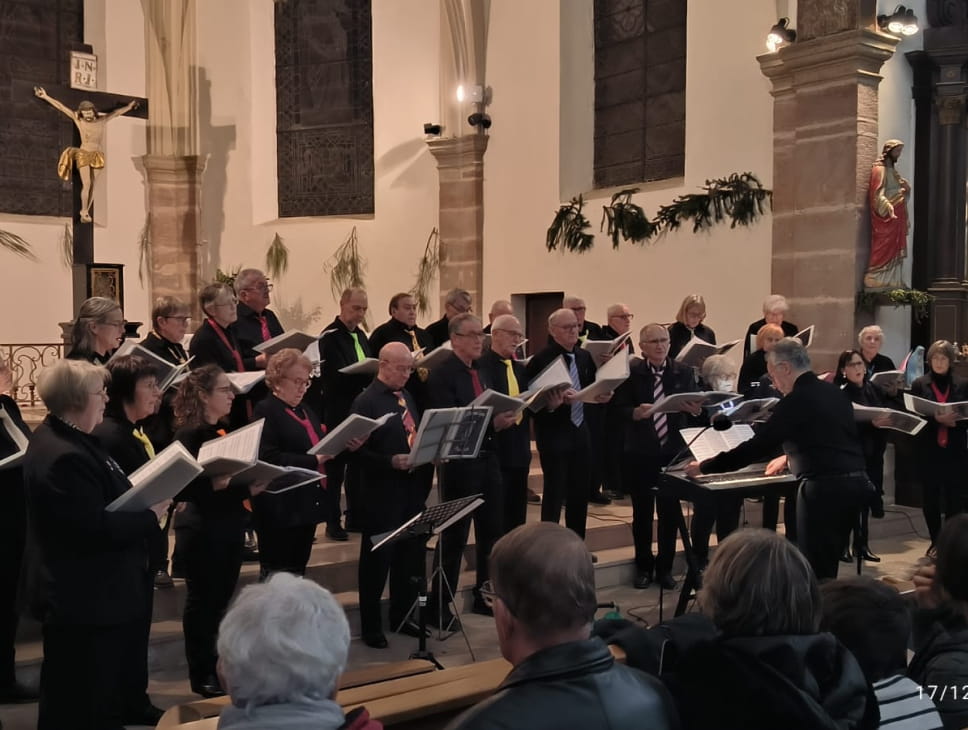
pixel 460 164
pixel 174 192
pixel 824 142
pixel 940 86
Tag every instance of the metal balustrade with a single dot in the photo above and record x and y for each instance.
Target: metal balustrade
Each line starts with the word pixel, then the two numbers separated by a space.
pixel 26 360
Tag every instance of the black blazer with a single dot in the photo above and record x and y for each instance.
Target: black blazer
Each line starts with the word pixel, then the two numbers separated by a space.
pixel 551 427
pixel 224 504
pixel 394 330
pixel 957 436
pixel 248 332
pixel 449 385
pixel 439 331
pixel 116 434
pixel 88 566
pixel 679 336
pixel 337 350
pixel 753 368
pixel 13 516
pixel 208 349
pixel 285 442
pixel 640 436
pixel 513 444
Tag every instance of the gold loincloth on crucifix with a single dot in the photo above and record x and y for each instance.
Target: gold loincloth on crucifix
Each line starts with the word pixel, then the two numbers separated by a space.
pixel 75 156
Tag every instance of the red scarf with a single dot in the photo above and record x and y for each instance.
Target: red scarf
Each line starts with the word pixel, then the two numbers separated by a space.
pixel 941 398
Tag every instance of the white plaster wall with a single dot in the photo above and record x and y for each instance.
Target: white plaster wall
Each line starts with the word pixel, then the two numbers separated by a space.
pixel 113 27
pixel 728 129
pixel 238 134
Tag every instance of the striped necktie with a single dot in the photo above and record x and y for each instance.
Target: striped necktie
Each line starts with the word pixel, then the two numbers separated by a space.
pixel 659 419
pixel 577 407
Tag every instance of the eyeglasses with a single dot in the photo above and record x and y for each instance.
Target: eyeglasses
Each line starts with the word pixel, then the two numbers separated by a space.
pixel 577 309
pixel 857 364
pixel 298 382
pixel 623 316
pixel 489 595
pixel 260 288
pixel 514 333
pixel 183 320
pixel 103 393
pixel 475 335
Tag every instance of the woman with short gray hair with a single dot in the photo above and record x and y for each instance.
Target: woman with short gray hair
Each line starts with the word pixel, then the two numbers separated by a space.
pixel 88 579
pixel 97 331
pixel 282 647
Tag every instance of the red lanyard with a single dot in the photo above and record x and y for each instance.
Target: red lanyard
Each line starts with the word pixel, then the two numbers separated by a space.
pixel 225 341
pixel 941 398
pixel 306 424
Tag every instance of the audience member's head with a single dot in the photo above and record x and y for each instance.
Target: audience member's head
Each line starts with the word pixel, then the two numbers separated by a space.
pixel 692 311
pixel 952 548
pixel 872 620
pixel 98 327
pixel 75 391
pixel 282 641
pixel 543 589
pixel 759 584
pixel 170 318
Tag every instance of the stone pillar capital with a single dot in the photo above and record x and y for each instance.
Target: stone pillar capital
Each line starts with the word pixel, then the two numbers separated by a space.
pixel 856 54
pixel 459 152
pixel 172 168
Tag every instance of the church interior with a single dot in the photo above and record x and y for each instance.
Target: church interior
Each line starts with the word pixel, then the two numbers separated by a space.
pixel 427 145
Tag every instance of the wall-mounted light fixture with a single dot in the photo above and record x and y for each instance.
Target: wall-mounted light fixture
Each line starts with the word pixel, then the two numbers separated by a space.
pixel 473 94
pixel 433 130
pixel 780 35
pixel 479 119
pixel 902 21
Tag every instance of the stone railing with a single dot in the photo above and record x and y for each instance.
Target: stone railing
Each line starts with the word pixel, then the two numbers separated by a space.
pixel 26 361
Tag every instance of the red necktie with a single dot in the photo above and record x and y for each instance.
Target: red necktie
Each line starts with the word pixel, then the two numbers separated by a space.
pixel 476 382
pixel 408 423
pixel 310 431
pixel 264 325
pixel 942 430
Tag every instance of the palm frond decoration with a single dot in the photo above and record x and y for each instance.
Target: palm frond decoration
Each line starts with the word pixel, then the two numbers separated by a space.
pixel 277 258
pixel 427 271
pixel 144 248
pixel 227 277
pixel 67 246
pixel 741 198
pixel 622 217
pixel 15 244
pixel 567 230
pixel 345 267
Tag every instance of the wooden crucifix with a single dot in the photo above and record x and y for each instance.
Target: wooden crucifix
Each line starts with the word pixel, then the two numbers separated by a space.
pixel 81 162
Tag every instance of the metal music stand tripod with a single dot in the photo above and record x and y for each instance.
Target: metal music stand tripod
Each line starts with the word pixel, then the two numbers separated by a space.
pixel 432 521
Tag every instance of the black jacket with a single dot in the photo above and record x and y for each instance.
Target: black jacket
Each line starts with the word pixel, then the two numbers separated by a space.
pixel 928 438
pixel 513 444
pixel 208 349
pixel 285 442
pixel 551 427
pixel 439 331
pixel 574 685
pixel 450 386
pixel 941 659
pixel 209 503
pixel 160 426
pixel 393 330
pixel 789 330
pixel 337 350
pixel 248 332
pixel 679 336
pixel 88 566
pixel 753 368
pixel 640 436
pixel 116 434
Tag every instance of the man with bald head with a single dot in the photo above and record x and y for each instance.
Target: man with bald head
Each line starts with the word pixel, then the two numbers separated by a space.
pixel 586 330
pixel 501 306
pixel 342 343
pixel 390 495
pixel 562 437
pixel 650 443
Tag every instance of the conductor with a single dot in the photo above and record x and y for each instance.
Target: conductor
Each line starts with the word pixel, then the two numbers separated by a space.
pixel 815 425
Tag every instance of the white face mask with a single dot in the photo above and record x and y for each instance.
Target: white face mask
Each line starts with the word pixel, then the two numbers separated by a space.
pixel 723 384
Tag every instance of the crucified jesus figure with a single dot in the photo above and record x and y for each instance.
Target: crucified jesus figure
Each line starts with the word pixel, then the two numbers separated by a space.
pixel 88 158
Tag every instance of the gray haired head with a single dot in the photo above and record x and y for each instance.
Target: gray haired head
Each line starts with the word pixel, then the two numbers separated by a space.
pixel 790 350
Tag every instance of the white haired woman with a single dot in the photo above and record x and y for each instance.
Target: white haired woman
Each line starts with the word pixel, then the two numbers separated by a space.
pixel 282 647
pixel 88 571
pixel 774 312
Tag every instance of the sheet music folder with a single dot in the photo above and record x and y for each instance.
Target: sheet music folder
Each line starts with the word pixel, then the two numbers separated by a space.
pixel 432 521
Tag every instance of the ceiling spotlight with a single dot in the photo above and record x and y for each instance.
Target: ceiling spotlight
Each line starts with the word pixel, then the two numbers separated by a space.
pixel 902 21
pixel 780 35
pixel 432 129
pixel 479 119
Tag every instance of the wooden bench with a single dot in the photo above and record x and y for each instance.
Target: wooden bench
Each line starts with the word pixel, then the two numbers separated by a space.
pixel 177 716
pixel 424 700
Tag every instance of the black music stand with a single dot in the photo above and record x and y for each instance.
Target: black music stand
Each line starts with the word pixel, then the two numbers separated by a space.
pixel 449 434
pixel 432 521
